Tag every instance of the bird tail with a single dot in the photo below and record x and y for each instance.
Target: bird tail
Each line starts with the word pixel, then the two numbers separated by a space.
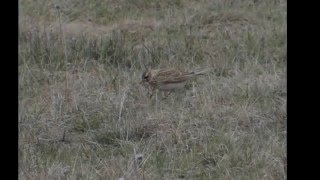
pixel 201 71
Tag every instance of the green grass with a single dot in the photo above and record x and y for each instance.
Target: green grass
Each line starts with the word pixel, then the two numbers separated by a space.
pixel 89 118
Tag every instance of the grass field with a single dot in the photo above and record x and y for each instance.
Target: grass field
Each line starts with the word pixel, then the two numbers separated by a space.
pixel 84 115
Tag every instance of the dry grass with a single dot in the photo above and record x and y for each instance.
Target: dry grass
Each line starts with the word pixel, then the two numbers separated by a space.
pixel 228 124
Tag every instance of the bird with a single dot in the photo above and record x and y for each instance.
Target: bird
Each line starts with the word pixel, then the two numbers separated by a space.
pixel 168 79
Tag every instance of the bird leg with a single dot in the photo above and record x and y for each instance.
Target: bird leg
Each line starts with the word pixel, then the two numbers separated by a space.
pixel 166 94
pixel 151 92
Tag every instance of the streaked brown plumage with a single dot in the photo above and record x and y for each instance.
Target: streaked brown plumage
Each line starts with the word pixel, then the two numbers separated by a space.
pixel 168 79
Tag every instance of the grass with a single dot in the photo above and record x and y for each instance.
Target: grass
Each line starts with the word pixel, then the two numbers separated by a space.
pixel 84 115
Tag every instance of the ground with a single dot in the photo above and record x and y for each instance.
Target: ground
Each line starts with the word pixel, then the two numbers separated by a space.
pixel 84 115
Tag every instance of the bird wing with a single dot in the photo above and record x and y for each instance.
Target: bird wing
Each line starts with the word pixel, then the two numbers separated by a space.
pixel 172 76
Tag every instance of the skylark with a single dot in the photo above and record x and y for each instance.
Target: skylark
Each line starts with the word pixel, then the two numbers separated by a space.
pixel 168 79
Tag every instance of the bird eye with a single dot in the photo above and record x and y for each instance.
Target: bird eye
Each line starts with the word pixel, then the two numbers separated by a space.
pixel 145 77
